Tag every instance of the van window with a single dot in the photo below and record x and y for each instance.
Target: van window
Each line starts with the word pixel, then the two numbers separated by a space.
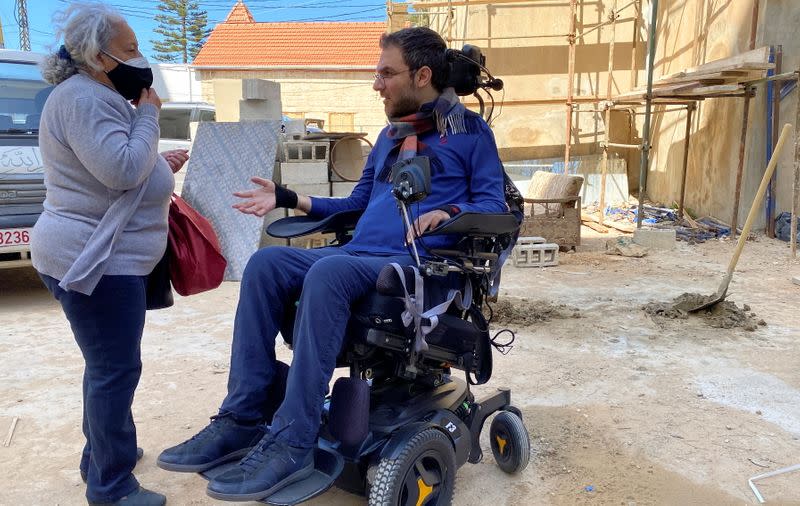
pixel 22 97
pixel 207 115
pixel 174 123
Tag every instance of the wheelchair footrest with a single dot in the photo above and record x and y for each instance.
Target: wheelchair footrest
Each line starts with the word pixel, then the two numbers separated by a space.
pixel 327 467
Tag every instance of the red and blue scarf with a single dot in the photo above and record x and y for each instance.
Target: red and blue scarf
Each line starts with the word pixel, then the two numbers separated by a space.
pixel 446 115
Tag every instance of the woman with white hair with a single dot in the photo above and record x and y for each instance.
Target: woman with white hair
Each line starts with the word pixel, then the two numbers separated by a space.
pixel 104 227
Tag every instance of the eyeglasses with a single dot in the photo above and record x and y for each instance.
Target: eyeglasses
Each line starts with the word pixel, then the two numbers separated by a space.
pixel 381 77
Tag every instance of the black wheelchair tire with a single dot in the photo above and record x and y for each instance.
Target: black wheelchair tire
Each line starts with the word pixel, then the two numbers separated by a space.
pixel 430 451
pixel 514 453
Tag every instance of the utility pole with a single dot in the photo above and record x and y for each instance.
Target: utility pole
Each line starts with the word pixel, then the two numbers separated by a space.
pixel 22 19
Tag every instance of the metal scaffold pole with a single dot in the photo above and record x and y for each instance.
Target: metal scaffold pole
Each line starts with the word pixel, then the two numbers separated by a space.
pixel 651 54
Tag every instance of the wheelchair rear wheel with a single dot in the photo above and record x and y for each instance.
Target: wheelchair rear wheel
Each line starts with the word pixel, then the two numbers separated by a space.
pixel 511 445
pixel 423 474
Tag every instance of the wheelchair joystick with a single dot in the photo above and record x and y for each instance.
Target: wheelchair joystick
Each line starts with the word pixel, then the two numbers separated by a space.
pixel 411 182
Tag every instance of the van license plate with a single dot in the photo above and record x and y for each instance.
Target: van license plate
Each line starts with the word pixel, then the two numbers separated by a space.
pixel 12 237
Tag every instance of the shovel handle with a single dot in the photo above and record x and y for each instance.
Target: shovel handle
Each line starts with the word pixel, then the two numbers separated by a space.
pixel 773 161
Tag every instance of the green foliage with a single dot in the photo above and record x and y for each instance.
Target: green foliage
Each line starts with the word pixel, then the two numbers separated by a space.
pixel 182 27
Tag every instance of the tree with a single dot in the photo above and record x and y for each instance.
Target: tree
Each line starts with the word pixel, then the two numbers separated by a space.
pixel 182 26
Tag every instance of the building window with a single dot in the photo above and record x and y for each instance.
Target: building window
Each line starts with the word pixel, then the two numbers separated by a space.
pixel 341 122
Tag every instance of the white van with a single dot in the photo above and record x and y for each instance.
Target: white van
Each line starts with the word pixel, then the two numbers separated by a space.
pixel 22 96
pixel 175 121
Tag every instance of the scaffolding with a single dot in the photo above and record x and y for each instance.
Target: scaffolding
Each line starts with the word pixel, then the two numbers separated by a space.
pixel 683 100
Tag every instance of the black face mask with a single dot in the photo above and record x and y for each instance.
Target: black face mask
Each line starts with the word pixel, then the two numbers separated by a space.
pixel 130 80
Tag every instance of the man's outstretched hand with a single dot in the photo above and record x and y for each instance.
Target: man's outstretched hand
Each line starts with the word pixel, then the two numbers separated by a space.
pixel 427 221
pixel 259 201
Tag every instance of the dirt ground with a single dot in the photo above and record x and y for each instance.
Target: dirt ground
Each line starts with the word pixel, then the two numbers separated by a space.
pixel 624 406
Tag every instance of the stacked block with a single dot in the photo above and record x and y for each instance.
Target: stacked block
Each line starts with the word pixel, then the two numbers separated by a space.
pixel 534 252
pixel 306 151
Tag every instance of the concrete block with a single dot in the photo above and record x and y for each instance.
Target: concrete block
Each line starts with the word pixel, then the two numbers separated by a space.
pixel 246 99
pixel 655 238
pixel 524 241
pixel 256 110
pixel 315 190
pixel 304 173
pixel 306 151
pixel 261 89
pixel 535 255
pixel 342 189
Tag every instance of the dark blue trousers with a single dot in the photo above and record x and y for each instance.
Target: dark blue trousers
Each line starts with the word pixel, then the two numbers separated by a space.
pixel 107 326
pixel 327 281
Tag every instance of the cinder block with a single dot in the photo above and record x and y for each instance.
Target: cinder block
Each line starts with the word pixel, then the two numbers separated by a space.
pixel 261 89
pixel 535 255
pixel 304 173
pixel 306 151
pixel 524 241
pixel 252 110
pixel 315 190
pixel 342 189
pixel 655 238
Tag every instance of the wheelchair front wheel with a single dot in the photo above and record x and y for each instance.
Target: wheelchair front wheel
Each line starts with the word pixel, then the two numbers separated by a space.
pixel 510 442
pixel 423 474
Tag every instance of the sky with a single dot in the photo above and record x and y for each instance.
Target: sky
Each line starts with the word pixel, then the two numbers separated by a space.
pixel 140 13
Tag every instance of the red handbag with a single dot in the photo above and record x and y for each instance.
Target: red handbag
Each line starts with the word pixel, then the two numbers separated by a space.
pixel 196 263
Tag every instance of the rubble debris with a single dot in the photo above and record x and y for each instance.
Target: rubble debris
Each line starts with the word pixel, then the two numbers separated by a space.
pixel 525 312
pixel 686 229
pixel 724 315
pixel 624 246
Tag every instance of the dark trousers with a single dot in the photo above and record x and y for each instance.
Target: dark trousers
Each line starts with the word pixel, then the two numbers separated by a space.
pixel 327 281
pixel 107 326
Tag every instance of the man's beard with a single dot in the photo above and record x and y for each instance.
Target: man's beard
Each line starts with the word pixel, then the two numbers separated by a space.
pixel 404 105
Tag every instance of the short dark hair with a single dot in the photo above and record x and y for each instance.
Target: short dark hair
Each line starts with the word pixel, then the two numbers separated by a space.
pixel 421 47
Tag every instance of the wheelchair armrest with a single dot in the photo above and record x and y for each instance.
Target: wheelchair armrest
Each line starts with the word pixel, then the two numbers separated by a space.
pixel 298 226
pixel 477 225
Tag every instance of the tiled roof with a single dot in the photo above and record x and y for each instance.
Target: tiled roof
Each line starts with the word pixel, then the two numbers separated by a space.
pixel 240 14
pixel 242 42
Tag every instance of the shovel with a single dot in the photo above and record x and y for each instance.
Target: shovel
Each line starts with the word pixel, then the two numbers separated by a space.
pixel 719 296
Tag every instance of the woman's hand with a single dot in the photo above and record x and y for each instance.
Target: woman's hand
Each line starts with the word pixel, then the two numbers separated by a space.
pixel 260 200
pixel 148 96
pixel 176 158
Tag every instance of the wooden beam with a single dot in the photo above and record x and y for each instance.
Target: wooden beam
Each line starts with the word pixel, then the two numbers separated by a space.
pixel 757 58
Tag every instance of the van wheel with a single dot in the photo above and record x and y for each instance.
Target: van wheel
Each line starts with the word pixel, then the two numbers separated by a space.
pixel 511 445
pixel 423 474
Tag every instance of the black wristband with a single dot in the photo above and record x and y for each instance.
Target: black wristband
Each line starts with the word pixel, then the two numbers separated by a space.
pixel 284 197
pixel 449 209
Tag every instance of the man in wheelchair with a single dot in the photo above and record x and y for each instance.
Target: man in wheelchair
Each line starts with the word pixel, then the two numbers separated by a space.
pixel 465 176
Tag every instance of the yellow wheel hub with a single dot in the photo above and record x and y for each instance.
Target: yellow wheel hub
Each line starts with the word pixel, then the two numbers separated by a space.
pixel 424 491
pixel 501 443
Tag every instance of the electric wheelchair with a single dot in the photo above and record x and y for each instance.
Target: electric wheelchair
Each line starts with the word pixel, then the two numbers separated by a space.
pixel 402 422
